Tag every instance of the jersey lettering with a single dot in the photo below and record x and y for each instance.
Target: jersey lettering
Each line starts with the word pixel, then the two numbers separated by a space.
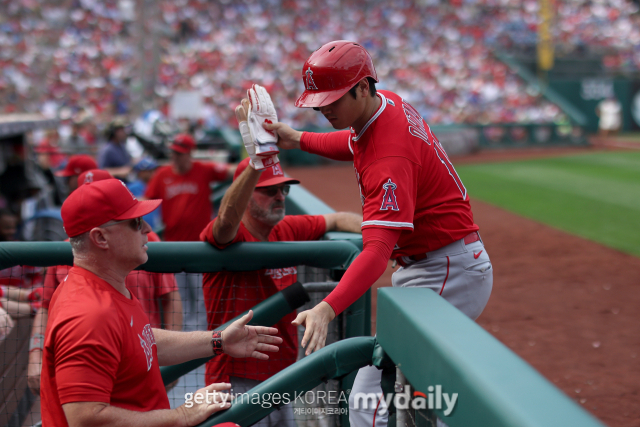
pixel 279 273
pixel 389 199
pixel 444 159
pixel 308 80
pixel 418 128
pixel 182 188
pixel 416 124
pixel 147 341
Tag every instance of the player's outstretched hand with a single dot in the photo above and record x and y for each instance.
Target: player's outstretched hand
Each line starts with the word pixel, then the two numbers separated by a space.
pixel 288 138
pixel 315 322
pixel 242 340
pixel 206 402
pixel 262 111
pixel 248 139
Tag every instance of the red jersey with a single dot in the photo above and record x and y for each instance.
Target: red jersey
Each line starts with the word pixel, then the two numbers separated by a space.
pixel 228 294
pixel 186 207
pixel 99 347
pixel 406 179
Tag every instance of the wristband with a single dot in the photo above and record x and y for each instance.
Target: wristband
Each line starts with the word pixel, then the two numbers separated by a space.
pixel 36 342
pixel 216 343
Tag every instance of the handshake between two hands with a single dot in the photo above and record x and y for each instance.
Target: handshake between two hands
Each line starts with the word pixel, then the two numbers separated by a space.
pixel 259 142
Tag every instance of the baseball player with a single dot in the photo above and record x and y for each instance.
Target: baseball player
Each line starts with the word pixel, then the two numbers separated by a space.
pixel 156 292
pixel 415 207
pixel 184 187
pixel 253 210
pixel 101 356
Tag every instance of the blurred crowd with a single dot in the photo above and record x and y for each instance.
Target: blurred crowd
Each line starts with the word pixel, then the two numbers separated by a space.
pixel 79 59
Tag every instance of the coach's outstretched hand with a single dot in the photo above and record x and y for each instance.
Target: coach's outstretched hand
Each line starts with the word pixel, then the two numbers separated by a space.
pixel 315 322
pixel 241 340
pixel 288 138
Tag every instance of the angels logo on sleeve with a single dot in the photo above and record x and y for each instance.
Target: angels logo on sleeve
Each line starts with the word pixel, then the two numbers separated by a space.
pixel 389 199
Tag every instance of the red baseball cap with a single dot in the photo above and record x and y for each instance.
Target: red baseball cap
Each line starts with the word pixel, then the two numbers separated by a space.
pixel 96 203
pixel 270 176
pixel 183 143
pixel 78 164
pixel 93 175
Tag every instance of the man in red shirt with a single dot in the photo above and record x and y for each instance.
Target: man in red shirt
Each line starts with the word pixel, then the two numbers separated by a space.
pixel 416 209
pixel 260 197
pixel 148 288
pixel 184 187
pixel 101 356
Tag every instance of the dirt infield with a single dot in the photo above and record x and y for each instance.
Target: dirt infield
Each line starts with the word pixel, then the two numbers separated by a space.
pixel 566 305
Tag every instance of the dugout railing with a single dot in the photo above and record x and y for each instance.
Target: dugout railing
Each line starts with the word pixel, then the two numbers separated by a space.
pixel 319 263
pixel 423 342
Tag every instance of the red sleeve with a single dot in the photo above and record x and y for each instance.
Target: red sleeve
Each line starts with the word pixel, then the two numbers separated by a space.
pixel 154 189
pixel 217 171
pixel 390 193
pixel 301 228
pixel 333 145
pixel 87 356
pixel 167 284
pixel 378 244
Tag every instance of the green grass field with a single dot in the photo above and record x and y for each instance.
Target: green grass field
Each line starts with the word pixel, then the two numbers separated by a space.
pixel 595 196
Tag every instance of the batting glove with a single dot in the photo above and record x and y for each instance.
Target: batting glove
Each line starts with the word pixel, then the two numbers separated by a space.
pixel 262 111
pixel 257 162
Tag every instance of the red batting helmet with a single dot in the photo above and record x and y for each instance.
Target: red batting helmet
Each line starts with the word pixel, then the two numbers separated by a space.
pixel 332 70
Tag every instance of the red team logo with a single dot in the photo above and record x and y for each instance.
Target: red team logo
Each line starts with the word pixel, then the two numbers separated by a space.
pixel 389 199
pixel 147 341
pixel 277 170
pixel 309 83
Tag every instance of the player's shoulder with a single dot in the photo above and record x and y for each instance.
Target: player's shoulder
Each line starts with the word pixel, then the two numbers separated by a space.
pixel 401 131
pixel 77 301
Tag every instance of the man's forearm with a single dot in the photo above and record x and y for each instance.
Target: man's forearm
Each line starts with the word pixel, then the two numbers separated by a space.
pixel 233 205
pixel 349 222
pixel 16 309
pixel 344 221
pixel 92 414
pixel 178 347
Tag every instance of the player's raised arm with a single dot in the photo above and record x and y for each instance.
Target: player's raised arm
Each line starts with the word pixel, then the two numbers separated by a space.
pixel 235 201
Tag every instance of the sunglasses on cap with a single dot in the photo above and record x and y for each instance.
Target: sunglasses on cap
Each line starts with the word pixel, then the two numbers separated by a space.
pixel 272 191
pixel 136 223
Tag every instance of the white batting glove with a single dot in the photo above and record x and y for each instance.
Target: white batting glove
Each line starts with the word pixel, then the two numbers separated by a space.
pixel 262 111
pixel 250 144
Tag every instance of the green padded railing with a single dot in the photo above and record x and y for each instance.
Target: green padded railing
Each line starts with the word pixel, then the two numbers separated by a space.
pixel 435 344
pixel 197 257
pixel 333 361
